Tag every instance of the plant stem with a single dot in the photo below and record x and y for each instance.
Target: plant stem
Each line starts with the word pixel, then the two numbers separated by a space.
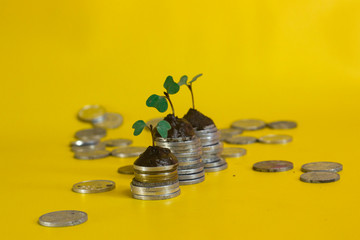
pixel 168 98
pixel 192 94
pixel 152 134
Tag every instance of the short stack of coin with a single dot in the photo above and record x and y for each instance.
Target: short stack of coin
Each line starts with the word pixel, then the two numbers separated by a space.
pixel 155 183
pixel 188 154
pixel 211 149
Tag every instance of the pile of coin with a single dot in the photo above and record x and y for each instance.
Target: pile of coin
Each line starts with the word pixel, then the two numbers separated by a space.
pixel 188 153
pixel 211 149
pixel 155 183
pixel 321 172
pixel 98 116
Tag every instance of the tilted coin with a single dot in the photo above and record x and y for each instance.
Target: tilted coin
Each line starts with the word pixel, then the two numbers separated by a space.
pixel 154 122
pixel 129 169
pixel 63 218
pixel 94 186
pixel 248 124
pixel 88 148
pixel 282 125
pixel 233 152
pixel 125 152
pixel 111 120
pixel 95 154
pixel 119 142
pixel 241 140
pixel 91 113
pixel 320 177
pixel 90 134
pixel 321 167
pixel 275 139
pixel 273 166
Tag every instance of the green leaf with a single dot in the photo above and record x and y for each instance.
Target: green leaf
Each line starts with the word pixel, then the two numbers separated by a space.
pixel 158 102
pixel 171 86
pixel 196 77
pixel 139 127
pixel 163 127
pixel 183 80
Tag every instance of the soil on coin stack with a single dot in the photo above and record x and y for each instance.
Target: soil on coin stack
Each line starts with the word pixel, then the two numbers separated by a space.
pixel 197 119
pixel 180 127
pixel 155 156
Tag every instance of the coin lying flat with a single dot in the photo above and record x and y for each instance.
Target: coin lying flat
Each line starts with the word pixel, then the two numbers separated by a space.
pixel 125 152
pixel 119 142
pixel 110 120
pixel 88 148
pixel 90 134
pixel 320 177
pixel 282 125
pixel 81 143
pixel 321 167
pixel 275 139
pixel 153 122
pixel 129 169
pixel 91 113
pixel 63 218
pixel 273 166
pixel 241 140
pixel 229 132
pixel 95 154
pixel 248 124
pixel 94 186
pixel 233 152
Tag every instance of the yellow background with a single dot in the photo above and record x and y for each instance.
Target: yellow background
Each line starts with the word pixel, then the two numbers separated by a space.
pixel 271 60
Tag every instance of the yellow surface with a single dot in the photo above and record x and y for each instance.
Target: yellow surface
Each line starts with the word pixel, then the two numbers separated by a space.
pixel 272 60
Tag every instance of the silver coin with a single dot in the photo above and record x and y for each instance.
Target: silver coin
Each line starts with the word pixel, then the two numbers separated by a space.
pixel 320 177
pixel 129 169
pixel 192 181
pixel 232 152
pixel 218 163
pixel 155 169
pixel 110 121
pixel 81 143
pixel 90 134
pixel 229 132
pixel 273 166
pixel 282 125
pixel 119 142
pixel 125 152
pixel 94 186
pixel 157 197
pixel 154 122
pixel 321 167
pixel 88 148
pixel 91 113
pixel 216 169
pixel 241 140
pixel 275 139
pixel 63 218
pixel 248 124
pixel 95 154
pixel 191 176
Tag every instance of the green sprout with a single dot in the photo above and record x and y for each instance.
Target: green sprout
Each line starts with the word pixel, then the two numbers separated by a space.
pixel 160 102
pixel 183 81
pixel 162 127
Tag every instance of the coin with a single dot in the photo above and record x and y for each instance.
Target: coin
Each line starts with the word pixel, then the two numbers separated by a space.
pixel 320 177
pixel 192 181
pixel 129 169
pixel 81 143
pixel 275 139
pixel 63 218
pixel 91 113
pixel 119 142
pixel 273 166
pixel 88 148
pixel 217 168
pixel 241 140
pixel 93 186
pixel 157 197
pixel 110 120
pixel 154 122
pixel 95 154
pixel 229 132
pixel 321 167
pixel 248 124
pixel 233 152
pixel 282 125
pixel 90 134
pixel 125 152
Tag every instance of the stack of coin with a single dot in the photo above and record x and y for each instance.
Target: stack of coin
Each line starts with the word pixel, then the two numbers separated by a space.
pixel 211 149
pixel 155 183
pixel 188 154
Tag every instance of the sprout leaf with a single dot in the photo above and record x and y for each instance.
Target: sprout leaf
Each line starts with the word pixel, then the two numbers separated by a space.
pixel 196 77
pixel 171 86
pixel 183 80
pixel 158 102
pixel 138 127
pixel 163 127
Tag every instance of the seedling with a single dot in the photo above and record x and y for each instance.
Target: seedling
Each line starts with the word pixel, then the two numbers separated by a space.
pixel 162 128
pixel 183 81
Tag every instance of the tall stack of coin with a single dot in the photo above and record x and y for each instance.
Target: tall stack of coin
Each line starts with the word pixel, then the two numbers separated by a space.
pixel 188 153
pixel 211 149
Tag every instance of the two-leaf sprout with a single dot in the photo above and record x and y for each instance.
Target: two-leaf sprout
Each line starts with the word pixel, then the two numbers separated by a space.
pixel 162 127
pixel 183 81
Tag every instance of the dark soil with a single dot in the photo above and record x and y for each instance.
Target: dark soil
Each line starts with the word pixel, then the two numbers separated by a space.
pixel 180 127
pixel 197 119
pixel 156 157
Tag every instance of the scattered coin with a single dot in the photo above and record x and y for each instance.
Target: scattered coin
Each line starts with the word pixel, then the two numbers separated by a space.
pixel 119 142
pixel 322 167
pixel 125 152
pixel 275 139
pixel 233 152
pixel 91 113
pixel 229 132
pixel 282 125
pixel 63 218
pixel 94 186
pixel 110 120
pixel 320 177
pixel 273 166
pixel 81 143
pixel 88 148
pixel 241 140
pixel 90 134
pixel 248 124
pixel 129 169
pixel 154 122
pixel 95 154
